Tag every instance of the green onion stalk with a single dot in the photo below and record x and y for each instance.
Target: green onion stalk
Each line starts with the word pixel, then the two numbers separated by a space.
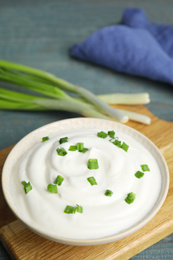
pixel 54 96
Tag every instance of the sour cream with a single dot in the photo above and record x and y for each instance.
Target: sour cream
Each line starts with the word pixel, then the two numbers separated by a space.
pixel 102 215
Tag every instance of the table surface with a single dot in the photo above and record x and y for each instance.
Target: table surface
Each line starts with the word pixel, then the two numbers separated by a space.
pixel 40 34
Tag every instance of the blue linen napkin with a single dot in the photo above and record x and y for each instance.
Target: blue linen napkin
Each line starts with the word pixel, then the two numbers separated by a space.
pixel 136 46
pixel 163 34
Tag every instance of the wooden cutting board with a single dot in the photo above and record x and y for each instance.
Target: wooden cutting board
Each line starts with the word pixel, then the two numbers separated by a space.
pixel 21 243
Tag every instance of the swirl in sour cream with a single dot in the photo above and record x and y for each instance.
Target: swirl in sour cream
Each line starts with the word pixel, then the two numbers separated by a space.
pixel 102 215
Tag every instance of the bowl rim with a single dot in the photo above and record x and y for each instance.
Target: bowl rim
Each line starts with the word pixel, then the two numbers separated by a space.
pixel 94 241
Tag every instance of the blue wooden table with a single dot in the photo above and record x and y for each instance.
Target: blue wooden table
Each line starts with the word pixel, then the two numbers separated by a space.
pixel 39 33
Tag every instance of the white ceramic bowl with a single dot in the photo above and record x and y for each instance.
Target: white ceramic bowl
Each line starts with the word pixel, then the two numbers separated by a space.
pixel 78 123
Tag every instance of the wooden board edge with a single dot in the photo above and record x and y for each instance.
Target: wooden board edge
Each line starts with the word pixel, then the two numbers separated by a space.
pixel 146 241
pixel 127 250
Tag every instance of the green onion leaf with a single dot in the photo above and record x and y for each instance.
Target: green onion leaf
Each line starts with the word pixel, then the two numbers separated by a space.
pixel 80 147
pixel 72 210
pixel 79 208
pixel 125 147
pixel 45 138
pixel 63 140
pixel 108 193
pixel 145 168
pixel 130 198
pixel 84 150
pixel 61 151
pixel 59 179
pixel 111 134
pixel 52 188
pixel 92 181
pixel 117 143
pixel 102 134
pixel 93 164
pixel 139 174
pixel 72 148
pixel 47 84
pixel 27 186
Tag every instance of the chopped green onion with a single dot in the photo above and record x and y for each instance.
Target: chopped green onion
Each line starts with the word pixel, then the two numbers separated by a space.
pixel 79 208
pixel 23 182
pixel 145 168
pixel 111 134
pixel 125 147
pixel 61 151
pixel 80 147
pixel 102 134
pixel 93 164
pixel 108 193
pixel 117 143
pixel 92 181
pixel 139 174
pixel 72 148
pixel 63 140
pixel 84 150
pixel 45 138
pixel 52 188
pixel 72 210
pixel 59 179
pixel 130 198
pixel 27 186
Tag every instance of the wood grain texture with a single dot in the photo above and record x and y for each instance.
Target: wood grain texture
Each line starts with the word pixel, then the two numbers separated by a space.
pixel 21 243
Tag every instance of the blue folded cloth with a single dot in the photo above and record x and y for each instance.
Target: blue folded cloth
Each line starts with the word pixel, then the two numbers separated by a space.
pixel 163 34
pixel 136 46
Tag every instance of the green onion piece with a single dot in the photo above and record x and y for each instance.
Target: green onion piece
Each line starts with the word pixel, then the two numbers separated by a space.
pixel 93 164
pixel 59 179
pixel 84 150
pixel 117 143
pixel 61 151
pixel 139 174
pixel 125 147
pixel 63 140
pixel 102 134
pixel 111 134
pixel 92 181
pixel 52 188
pixel 79 208
pixel 71 210
pixel 72 148
pixel 45 138
pixel 27 186
pixel 108 193
pixel 145 168
pixel 80 147
pixel 23 182
pixel 130 198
